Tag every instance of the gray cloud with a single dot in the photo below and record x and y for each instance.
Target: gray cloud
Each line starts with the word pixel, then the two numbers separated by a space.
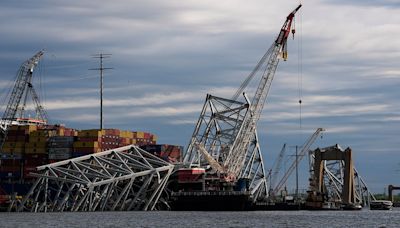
pixel 371 3
pixel 168 54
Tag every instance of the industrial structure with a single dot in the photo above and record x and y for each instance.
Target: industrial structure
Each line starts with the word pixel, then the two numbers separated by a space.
pixel 127 178
pixel 222 169
pixel 225 137
pixel 304 150
pixel 334 181
pixel 16 107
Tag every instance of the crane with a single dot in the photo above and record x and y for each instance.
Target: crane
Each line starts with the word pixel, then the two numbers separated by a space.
pixel 226 128
pixel 235 159
pixel 300 156
pixel 23 87
pixel 276 168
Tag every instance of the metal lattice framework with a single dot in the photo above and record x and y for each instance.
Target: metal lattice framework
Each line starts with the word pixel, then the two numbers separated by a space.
pixel 18 98
pixel 218 127
pixel 334 180
pixel 126 178
pixel 22 88
pixel 225 136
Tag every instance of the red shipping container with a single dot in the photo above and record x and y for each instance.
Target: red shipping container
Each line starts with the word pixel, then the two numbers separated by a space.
pixel 35 156
pixel 27 171
pixel 35 159
pixel 11 138
pixel 190 174
pixel 16 133
pixel 10 169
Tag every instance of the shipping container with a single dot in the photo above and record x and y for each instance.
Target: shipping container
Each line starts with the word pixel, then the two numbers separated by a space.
pixel 140 135
pixel 28 128
pixel 32 158
pixel 36 150
pixel 28 170
pixel 87 150
pixel 62 139
pixel 190 174
pixel 10 175
pixel 86 144
pixel 170 153
pixel 91 133
pixel 16 133
pixel 12 150
pixel 60 156
pixel 14 144
pixel 60 145
pixel 6 156
pixel 89 139
pixel 34 139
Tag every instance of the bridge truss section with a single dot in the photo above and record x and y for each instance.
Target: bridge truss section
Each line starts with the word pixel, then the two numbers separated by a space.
pixel 126 178
pixel 217 130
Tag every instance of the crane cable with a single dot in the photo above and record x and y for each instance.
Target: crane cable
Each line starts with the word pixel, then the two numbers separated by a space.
pixel 300 69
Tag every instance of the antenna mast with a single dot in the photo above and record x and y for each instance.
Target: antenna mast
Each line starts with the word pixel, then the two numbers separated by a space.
pixel 101 56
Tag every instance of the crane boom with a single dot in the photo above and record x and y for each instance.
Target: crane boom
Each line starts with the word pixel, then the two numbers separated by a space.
pixel 235 160
pixel 23 85
pixel 302 153
pixel 277 167
pixel 225 135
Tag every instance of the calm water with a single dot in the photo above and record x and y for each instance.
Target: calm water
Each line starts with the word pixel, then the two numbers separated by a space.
pixel 359 219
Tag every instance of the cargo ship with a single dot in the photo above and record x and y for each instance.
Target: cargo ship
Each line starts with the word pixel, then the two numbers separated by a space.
pixel 28 145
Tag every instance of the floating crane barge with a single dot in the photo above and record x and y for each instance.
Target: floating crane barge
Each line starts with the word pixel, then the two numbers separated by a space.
pixel 225 143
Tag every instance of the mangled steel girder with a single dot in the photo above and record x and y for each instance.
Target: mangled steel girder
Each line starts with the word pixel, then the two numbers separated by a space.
pixel 126 178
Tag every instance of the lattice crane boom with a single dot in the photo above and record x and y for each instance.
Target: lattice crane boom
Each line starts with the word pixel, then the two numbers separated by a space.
pixel 277 166
pixel 297 160
pixel 235 160
pixel 23 85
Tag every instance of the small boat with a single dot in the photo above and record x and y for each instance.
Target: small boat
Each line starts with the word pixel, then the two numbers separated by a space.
pixel 381 205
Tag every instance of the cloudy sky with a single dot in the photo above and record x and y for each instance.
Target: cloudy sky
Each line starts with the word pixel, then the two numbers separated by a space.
pixel 167 55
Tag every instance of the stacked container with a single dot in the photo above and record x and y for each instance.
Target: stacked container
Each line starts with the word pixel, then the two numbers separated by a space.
pixel 31 162
pixel 13 151
pixel 144 138
pixel 170 153
pixel 29 146
pixel 111 139
pixel 60 147
pixel 88 142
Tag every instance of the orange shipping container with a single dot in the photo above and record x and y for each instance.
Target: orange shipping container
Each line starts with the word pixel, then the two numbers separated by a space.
pixel 140 135
pixel 91 133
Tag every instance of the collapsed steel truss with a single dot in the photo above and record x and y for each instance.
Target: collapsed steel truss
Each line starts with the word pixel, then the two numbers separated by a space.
pixel 127 178
pixel 334 180
pixel 217 130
